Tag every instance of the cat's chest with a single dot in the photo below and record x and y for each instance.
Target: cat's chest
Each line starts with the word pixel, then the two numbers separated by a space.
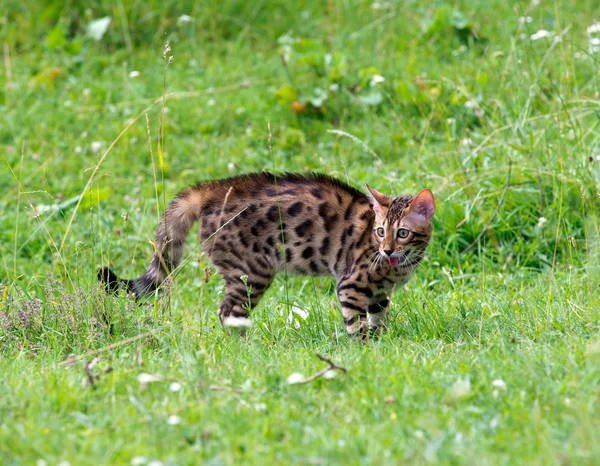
pixel 391 277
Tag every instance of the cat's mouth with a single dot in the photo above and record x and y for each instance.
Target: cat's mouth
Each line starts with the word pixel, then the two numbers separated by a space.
pixel 398 260
pixel 394 261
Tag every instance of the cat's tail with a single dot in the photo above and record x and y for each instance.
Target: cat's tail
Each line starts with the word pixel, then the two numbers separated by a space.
pixel 179 217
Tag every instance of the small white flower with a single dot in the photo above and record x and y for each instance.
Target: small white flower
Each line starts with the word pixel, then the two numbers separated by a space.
pixel 376 79
pixel 145 378
pixel 210 102
pixel 295 378
pixel 594 28
pixel 134 74
pixel 499 383
pixel 525 19
pixel 155 463
pixel 175 387
pixel 138 460
pixel 237 322
pixel 260 407
pixel 471 104
pixel 541 222
pixel 240 110
pixel 466 142
pixel 96 146
pixel 595 41
pixel 334 87
pixel 231 166
pixel 173 420
pixel 330 374
pixel 300 312
pixel 184 19
pixel 540 34
pixel 78 149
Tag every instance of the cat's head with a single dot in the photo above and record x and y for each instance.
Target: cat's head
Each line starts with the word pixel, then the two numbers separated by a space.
pixel 402 226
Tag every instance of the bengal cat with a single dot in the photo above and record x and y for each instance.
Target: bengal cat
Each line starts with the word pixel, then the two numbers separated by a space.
pixel 253 226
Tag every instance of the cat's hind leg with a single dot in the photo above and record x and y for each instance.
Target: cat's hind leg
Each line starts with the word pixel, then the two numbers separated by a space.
pixel 242 293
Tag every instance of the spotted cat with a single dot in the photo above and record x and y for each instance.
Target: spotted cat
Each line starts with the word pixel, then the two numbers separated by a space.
pixel 256 225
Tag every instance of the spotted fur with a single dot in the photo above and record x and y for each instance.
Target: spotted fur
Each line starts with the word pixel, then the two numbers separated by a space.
pixel 254 226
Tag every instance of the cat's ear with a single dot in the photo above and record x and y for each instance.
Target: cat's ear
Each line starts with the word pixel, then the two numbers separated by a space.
pixel 423 204
pixel 381 202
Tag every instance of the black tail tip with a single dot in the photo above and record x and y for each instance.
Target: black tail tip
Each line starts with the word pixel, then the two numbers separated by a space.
pixel 109 279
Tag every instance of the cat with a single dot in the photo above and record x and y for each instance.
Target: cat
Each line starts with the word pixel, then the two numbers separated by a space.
pixel 253 226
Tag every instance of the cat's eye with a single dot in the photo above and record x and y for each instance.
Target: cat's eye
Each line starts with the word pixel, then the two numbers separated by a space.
pixel 403 233
pixel 380 232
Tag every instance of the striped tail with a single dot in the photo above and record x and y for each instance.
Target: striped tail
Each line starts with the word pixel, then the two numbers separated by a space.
pixel 172 232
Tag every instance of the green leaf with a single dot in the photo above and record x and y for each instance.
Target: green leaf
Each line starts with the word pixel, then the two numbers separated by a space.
pixel 56 38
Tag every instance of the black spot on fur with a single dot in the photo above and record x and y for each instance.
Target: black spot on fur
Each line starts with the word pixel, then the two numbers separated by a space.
pixel 289 255
pixel 295 209
pixel 273 214
pixel 324 246
pixel 304 228
pixel 317 193
pixel 308 252
pixel 314 267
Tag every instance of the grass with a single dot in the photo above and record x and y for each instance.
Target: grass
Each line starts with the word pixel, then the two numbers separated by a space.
pixel 492 356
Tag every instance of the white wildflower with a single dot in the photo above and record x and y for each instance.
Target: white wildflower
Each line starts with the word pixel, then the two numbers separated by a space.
pixel 134 74
pixel 175 387
pixel 183 19
pixel 300 312
pixel 540 34
pixel 376 79
pixel 330 374
pixel 541 222
pixel 525 19
pixel 155 463
pixel 145 378
pixel 210 102
pixel 594 28
pixel 138 460
pixel 471 104
pixel 499 383
pixel 78 149
pixel 334 87
pixel 466 142
pixel 173 420
pixel 96 146
pixel 295 378
pixel 260 407
pixel 231 166
pixel 595 41
pixel 460 389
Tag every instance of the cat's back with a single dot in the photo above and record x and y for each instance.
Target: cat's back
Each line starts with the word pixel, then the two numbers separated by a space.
pixel 308 222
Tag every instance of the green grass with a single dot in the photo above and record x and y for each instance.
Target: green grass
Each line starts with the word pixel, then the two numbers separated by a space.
pixel 493 355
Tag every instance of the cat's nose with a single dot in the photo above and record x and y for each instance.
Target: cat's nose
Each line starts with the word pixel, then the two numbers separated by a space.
pixel 388 252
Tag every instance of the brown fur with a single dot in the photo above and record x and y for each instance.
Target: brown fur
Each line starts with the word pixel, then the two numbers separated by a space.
pixel 257 225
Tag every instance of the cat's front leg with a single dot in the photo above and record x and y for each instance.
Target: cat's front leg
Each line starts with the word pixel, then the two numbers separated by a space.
pixel 354 299
pixel 378 313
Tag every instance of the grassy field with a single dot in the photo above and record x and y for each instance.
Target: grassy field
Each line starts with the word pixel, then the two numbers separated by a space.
pixel 493 355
